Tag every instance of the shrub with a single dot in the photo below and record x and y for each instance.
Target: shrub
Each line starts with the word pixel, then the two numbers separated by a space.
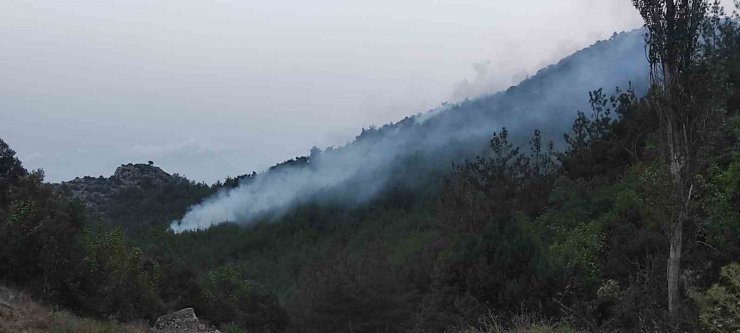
pixel 118 280
pixel 235 302
pixel 719 306
pixel 29 316
pixel 722 206
pixel 38 233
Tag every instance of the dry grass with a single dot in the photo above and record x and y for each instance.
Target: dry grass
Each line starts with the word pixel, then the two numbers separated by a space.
pixel 31 317
pixel 519 324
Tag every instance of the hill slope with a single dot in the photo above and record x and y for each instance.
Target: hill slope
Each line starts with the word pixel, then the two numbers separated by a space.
pixel 408 151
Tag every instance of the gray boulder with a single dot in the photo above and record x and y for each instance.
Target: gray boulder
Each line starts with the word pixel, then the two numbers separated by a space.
pixel 183 321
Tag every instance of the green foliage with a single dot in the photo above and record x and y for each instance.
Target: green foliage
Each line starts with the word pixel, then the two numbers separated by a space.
pixel 10 167
pixel 574 236
pixel 38 232
pixel 719 306
pixel 674 29
pixel 226 277
pixel 734 126
pixel 411 244
pixel 505 266
pixel 20 212
pixel 577 230
pixel 118 279
pixel 501 236
pixel 490 254
pixel 238 303
pixel 654 187
pixel 348 293
pixel 604 143
pixel 578 248
pixel 722 204
pixel 138 208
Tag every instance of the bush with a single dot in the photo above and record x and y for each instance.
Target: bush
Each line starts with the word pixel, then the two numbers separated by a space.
pixel 351 293
pixel 723 204
pixel 719 306
pixel 238 303
pixel 118 281
pixel 39 232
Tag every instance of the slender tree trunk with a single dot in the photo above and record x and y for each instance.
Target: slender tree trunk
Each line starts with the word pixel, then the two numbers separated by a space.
pixel 678 164
pixel 672 26
pixel 674 265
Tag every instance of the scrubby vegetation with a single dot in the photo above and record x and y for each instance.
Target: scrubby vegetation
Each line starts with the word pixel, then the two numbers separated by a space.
pixel 53 251
pixel 719 306
pixel 25 315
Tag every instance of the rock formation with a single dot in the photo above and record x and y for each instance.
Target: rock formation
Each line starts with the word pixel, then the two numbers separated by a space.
pixel 93 192
pixel 183 321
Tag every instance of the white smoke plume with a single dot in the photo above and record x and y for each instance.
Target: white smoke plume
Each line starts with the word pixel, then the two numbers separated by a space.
pixel 354 173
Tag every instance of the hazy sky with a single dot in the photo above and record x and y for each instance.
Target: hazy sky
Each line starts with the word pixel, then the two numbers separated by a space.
pixel 215 88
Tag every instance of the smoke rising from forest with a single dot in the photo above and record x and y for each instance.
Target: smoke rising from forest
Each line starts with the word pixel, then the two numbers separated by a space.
pixel 430 141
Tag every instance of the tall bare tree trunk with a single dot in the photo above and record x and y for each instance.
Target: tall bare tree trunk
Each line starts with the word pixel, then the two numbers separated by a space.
pixel 679 155
pixel 673 31
pixel 677 165
pixel 674 264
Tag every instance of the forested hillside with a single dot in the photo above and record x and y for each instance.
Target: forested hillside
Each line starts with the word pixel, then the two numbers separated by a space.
pixel 630 222
pixel 417 149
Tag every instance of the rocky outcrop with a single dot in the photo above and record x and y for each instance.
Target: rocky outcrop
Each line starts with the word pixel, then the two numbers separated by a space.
pixel 183 321
pixel 139 174
pixel 94 192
